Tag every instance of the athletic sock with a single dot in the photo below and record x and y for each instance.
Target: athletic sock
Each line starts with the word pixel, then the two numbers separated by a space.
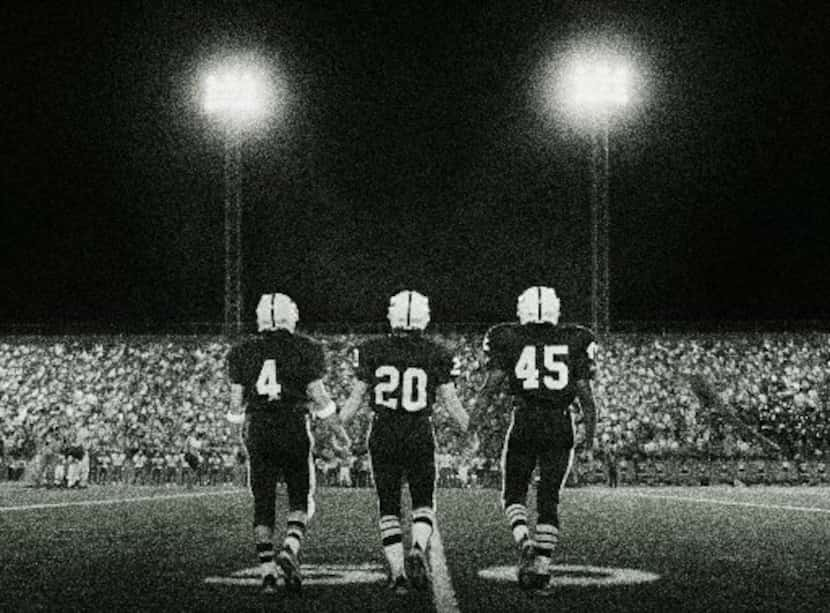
pixel 295 531
pixel 547 537
pixel 517 516
pixel 265 551
pixel 390 532
pixel 423 520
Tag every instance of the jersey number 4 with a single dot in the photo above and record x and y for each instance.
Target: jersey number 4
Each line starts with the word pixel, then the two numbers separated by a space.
pixel 413 384
pixel 267 384
pixel 527 370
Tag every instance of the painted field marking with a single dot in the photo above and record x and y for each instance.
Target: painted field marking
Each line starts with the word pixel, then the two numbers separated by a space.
pixel 576 575
pixel 730 503
pixel 313 574
pixel 442 590
pixel 92 503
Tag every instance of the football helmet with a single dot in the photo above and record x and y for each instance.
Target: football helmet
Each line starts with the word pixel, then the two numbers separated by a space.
pixel 538 304
pixel 408 310
pixel 276 311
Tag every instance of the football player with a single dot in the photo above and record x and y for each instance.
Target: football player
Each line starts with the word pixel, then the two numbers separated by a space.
pixel 403 374
pixel 276 378
pixel 547 366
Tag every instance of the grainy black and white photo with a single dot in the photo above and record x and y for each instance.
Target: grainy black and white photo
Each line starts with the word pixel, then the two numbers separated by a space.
pixel 463 307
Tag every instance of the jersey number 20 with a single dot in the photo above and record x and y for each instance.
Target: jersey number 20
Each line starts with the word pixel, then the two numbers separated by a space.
pixel 267 384
pixel 413 384
pixel 557 371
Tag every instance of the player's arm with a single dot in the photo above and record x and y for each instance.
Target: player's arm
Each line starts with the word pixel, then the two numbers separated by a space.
pixel 448 396
pixel 324 409
pixel 495 371
pixel 362 384
pixel 355 401
pixel 589 411
pixel 236 412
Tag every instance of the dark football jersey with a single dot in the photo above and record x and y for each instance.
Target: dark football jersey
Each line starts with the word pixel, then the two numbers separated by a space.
pixel 403 372
pixel 275 369
pixel 543 361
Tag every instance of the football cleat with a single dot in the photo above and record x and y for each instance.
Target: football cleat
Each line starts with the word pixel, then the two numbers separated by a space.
pixel 527 562
pixel 397 585
pixel 269 584
pixel 538 305
pixel 417 569
pixel 289 562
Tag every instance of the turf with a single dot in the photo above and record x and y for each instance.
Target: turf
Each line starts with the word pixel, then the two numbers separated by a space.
pixel 155 554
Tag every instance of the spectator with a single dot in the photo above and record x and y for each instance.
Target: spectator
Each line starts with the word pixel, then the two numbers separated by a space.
pixel 139 465
pixel 153 393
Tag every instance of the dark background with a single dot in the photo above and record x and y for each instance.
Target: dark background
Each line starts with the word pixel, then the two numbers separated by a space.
pixel 414 153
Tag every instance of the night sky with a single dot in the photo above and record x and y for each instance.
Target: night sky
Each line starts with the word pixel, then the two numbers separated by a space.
pixel 413 151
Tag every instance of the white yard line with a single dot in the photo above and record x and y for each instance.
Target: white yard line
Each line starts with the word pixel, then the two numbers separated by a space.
pixel 442 590
pixel 91 503
pixel 730 503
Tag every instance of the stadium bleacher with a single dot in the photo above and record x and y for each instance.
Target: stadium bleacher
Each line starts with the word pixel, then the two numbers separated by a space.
pixel 150 393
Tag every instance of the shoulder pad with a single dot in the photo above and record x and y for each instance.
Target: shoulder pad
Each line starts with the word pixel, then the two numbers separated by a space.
pixel 497 331
pixel 583 331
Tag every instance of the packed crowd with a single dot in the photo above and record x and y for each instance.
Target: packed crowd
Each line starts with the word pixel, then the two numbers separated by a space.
pixel 661 397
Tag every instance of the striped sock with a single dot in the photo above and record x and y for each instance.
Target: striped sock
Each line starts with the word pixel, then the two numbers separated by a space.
pixel 295 531
pixel 517 516
pixel 390 532
pixel 423 520
pixel 265 551
pixel 547 537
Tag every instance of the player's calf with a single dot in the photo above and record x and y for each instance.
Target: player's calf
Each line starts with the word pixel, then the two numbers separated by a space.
pixel 390 532
pixel 538 571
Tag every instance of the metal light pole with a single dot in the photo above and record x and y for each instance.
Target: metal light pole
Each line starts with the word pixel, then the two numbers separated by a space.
pixel 596 86
pixel 233 236
pixel 237 95
pixel 600 232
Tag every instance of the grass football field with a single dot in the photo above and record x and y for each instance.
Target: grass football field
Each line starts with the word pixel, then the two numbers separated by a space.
pixel 630 549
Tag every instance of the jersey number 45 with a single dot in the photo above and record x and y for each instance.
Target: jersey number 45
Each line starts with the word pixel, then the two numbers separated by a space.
pixel 556 371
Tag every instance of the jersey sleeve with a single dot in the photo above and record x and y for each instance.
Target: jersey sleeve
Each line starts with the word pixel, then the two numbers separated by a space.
pixel 361 358
pixel 493 346
pixel 586 349
pixel 315 366
pixel 447 366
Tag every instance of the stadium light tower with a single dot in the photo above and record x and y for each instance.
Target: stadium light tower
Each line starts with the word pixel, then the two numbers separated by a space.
pixel 237 95
pixel 596 86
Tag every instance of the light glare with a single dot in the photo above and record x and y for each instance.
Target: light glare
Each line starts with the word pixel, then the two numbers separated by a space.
pixel 595 84
pixel 241 93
